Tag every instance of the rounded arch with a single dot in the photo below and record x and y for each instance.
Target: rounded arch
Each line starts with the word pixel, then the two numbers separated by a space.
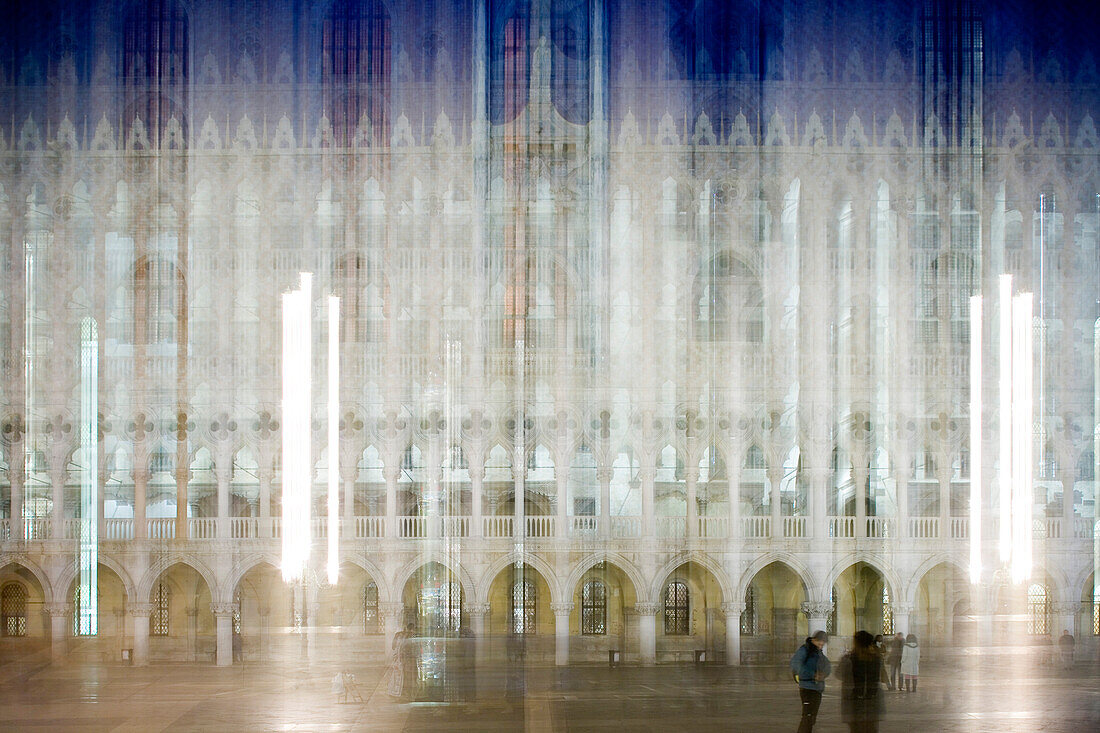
pixel 33 568
pixel 403 575
pixel 613 558
pixel 162 565
pixel 884 569
pixel 375 573
pixel 537 563
pixel 702 560
pixel 106 561
pixel 783 558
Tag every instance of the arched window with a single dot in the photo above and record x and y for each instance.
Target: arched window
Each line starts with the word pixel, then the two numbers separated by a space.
pixel 510 60
pixel 156 287
pixel 370 608
pixel 523 607
pixel 237 613
pixel 1038 609
pixel 677 619
pixel 593 608
pixel 748 616
pixel 159 625
pixel 355 53
pixel 887 612
pixel 13 610
pixel 830 622
pixel 85 621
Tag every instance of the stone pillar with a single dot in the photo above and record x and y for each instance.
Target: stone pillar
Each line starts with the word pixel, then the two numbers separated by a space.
pixel 691 479
pixel 478 613
pixel 392 621
pixel 649 520
pixel 859 476
pixel 60 614
pixel 562 476
pixel 603 475
pixel 139 614
pixel 57 514
pixel 561 632
pixel 389 473
pixel 1065 617
pixel 647 632
pixel 16 478
pixel 733 611
pixel 519 478
pixel 141 528
pixel 223 471
pixel 944 477
pixel 477 479
pixel 901 489
pixel 775 475
pixel 349 471
pixel 264 476
pixel 902 611
pixel 817 613
pixel 223 616
pixel 819 490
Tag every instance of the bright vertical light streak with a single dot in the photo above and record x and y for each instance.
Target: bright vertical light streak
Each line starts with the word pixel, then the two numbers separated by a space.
pixel 1004 421
pixel 975 438
pixel 1096 453
pixel 297 386
pixel 87 612
pixel 333 438
pixel 1021 436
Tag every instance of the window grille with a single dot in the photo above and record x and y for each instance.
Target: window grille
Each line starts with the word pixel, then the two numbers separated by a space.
pixel 160 610
pixel 13 610
pixel 1038 609
pixel 441 606
pixel 593 608
pixel 77 630
pixel 237 614
pixel 748 616
pixel 370 608
pixel 523 607
pixel 677 618
pixel 887 613
pixel 830 622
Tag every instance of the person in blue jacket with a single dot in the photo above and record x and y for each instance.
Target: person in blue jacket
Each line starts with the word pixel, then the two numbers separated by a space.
pixel 810 667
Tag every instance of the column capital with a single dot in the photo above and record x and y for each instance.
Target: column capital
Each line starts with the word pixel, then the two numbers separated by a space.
pixel 647 609
pixel 477 609
pixel 58 609
pixel 561 609
pixel 391 609
pixel 733 608
pixel 1066 607
pixel 604 474
pixel 816 609
pixel 223 609
pixel 901 609
pixel 140 610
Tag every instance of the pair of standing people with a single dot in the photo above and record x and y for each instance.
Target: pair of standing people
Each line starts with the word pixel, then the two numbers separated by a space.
pixel 861 672
pixel 903 662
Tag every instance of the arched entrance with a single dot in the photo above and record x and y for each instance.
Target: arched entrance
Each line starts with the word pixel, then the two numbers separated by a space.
pixel 24 625
pixel 181 625
pixel 519 611
pixel 114 627
pixel 942 613
pixel 772 624
pixel 268 613
pixel 862 601
pixel 689 616
pixel 603 617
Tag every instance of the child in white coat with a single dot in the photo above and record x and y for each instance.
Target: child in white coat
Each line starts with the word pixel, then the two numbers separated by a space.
pixel 910 662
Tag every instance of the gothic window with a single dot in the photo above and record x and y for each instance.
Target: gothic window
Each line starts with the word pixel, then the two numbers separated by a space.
pixel 1038 609
pixel 1095 614
pixel 351 274
pixel 510 60
pixel 356 58
pixel 523 607
pixel 370 608
pixel 440 606
pixel 237 614
pixel 593 608
pixel 749 619
pixel 157 287
pixel 13 610
pixel 729 302
pixel 159 624
pixel 887 613
pixel 677 619
pixel 83 624
pixel 1086 467
pixel 830 621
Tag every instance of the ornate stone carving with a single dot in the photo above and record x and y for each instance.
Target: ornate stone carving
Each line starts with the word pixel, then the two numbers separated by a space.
pixel 647 609
pixel 733 608
pixel 58 610
pixel 140 609
pixel 816 609
pixel 477 609
pixel 561 609
pixel 223 609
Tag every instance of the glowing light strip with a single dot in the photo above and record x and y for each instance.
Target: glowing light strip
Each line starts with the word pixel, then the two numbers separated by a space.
pixel 297 360
pixel 1022 417
pixel 1096 453
pixel 1004 421
pixel 87 610
pixel 975 438
pixel 333 438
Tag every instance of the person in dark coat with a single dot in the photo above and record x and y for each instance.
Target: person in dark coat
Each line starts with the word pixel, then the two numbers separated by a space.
pixel 810 667
pixel 861 699
pixel 893 661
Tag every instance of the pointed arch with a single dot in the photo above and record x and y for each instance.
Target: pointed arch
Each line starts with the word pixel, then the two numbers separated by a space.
pixel 501 563
pixel 702 560
pixel 628 569
pixel 164 564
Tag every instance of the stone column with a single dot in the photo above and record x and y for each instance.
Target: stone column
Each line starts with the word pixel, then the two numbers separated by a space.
pixel 561 474
pixel 477 479
pixel 733 611
pixel 649 521
pixel 392 621
pixel 57 514
pixel 603 475
pixel 818 614
pixel 819 490
pixel 859 475
pixel 944 477
pixel 389 473
pixel 902 612
pixel 478 613
pixel 264 476
pixel 691 478
pixel 16 478
pixel 223 616
pixel 60 613
pixel 901 489
pixel 647 632
pixel 1065 617
pixel 775 475
pixel 561 632
pixel 141 482
pixel 139 614
pixel 223 471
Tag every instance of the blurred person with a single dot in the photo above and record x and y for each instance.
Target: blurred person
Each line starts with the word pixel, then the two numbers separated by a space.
pixel 810 667
pixel 339 688
pixel 893 661
pixel 1065 648
pixel 861 671
pixel 910 662
pixel 402 663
